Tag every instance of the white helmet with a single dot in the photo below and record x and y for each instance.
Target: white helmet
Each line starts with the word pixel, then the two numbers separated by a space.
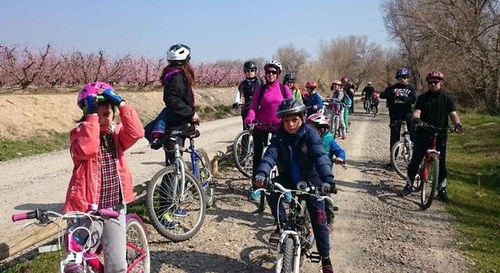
pixel 179 52
pixel 273 63
pixel 319 120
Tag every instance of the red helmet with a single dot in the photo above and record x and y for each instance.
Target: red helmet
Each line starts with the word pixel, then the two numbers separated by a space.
pixel 435 74
pixel 344 79
pixel 311 84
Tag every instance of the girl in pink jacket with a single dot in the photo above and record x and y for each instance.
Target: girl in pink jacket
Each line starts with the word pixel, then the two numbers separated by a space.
pixel 100 175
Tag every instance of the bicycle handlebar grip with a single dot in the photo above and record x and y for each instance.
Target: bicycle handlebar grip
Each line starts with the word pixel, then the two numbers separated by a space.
pixel 109 213
pixel 24 216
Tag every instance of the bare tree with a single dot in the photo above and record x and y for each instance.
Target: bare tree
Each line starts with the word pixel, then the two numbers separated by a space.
pixel 291 57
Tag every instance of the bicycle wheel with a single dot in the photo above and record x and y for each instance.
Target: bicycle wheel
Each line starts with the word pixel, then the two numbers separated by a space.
pixel 288 253
pixel 243 153
pixel 179 218
pixel 401 153
pixel 205 176
pixel 138 259
pixel 429 182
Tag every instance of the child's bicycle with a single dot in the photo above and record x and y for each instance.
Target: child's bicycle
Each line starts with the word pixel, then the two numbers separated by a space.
pixel 243 156
pixel 402 151
pixel 176 199
pixel 428 174
pixel 333 106
pixel 83 246
pixel 296 237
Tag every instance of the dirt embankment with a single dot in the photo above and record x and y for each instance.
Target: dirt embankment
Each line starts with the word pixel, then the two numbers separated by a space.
pixel 25 115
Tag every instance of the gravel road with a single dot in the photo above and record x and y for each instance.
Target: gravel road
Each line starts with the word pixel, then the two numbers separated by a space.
pixel 375 230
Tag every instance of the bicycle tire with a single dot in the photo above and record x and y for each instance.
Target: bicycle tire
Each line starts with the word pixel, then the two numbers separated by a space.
pixel 205 176
pixel 243 153
pixel 159 204
pixel 288 253
pixel 401 154
pixel 429 188
pixel 262 202
pixel 137 237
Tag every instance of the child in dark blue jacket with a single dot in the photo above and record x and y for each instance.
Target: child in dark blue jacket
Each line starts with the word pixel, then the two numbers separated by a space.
pixel 298 152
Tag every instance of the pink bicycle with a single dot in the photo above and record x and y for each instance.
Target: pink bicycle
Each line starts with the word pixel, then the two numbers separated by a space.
pixel 82 252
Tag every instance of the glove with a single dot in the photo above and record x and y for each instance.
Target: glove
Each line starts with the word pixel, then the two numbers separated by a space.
pixel 458 128
pixel 112 97
pixel 258 181
pixel 339 161
pixel 247 121
pixel 90 105
pixel 418 122
pixel 325 189
pixel 236 105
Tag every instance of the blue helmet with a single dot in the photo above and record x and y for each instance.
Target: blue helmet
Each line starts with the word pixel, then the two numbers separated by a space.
pixel 403 73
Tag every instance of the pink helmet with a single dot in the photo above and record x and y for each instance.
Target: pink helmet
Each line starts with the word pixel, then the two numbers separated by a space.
pixel 311 84
pixel 319 120
pixel 344 79
pixel 95 89
pixel 435 74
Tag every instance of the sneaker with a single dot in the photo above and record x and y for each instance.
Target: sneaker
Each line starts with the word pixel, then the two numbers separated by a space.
pixel 443 196
pixel 288 197
pixel 181 213
pixel 275 236
pixel 168 221
pixel 327 269
pixel 254 195
pixel 156 144
pixel 388 165
pixel 406 190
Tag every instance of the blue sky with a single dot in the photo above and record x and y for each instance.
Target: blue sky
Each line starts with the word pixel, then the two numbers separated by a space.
pixel 215 30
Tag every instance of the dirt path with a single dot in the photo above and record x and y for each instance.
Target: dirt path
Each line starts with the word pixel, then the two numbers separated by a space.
pixel 375 230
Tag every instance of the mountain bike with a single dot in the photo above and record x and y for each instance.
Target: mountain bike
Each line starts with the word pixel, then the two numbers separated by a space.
pixel 176 199
pixel 428 173
pixel 243 156
pixel 367 105
pixel 83 246
pixel 296 237
pixel 402 151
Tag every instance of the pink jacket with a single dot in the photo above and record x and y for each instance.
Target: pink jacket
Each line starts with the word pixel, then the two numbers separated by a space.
pixel 85 184
pixel 266 113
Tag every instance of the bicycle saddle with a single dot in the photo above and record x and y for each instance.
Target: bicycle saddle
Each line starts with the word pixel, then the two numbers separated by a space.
pixel 183 133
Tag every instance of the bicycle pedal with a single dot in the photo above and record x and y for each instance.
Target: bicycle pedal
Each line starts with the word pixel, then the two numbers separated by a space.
pixel 314 257
pixel 274 242
pixel 214 184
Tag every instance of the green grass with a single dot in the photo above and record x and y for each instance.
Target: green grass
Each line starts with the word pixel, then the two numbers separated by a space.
pixel 10 149
pixel 45 262
pixel 473 161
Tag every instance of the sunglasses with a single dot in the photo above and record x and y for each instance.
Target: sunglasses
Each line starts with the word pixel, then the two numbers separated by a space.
pixel 434 82
pixel 250 70
pixel 272 72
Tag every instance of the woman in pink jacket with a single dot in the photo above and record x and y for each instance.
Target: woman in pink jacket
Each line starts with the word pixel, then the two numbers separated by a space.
pixel 100 175
pixel 263 109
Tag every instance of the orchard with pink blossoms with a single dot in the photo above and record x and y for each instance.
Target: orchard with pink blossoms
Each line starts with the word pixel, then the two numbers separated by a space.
pixel 23 67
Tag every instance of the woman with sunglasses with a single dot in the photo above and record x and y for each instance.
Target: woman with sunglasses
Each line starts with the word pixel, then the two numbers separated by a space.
pixel 263 109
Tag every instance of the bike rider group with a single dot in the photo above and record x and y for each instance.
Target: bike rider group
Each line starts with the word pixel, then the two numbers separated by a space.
pixel 302 145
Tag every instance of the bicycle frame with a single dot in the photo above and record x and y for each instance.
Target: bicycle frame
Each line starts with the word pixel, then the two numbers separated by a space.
pixel 431 152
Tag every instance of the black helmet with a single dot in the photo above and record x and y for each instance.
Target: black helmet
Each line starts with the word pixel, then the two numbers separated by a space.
pixel 249 65
pixel 289 77
pixel 290 106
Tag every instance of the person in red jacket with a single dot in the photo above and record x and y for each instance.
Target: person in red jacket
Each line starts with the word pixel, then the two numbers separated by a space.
pixel 101 176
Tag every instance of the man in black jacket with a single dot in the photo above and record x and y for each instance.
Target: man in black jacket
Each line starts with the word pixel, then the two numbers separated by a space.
pixel 246 89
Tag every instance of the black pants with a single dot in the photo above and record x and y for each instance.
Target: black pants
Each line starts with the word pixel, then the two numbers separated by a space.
pixel 396 128
pixel 259 142
pixel 423 141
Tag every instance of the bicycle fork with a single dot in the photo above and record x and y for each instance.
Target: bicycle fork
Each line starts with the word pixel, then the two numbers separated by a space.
pixel 296 250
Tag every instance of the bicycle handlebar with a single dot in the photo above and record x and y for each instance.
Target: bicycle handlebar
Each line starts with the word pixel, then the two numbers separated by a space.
pixel 43 215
